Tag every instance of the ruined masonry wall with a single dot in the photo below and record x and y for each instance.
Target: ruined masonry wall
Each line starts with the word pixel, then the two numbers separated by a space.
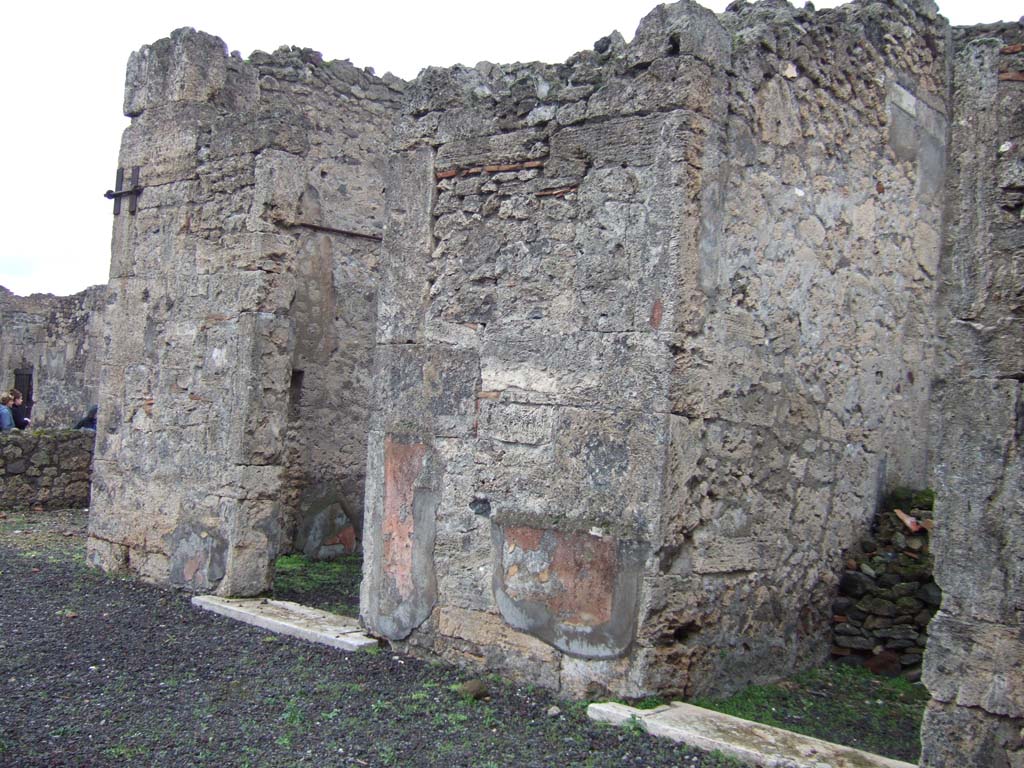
pixel 654 335
pixel 62 340
pixel 249 257
pixel 799 387
pixel 974 667
pixel 42 469
pixel 655 328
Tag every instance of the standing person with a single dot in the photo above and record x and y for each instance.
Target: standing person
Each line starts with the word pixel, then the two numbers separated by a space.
pixel 19 410
pixel 6 418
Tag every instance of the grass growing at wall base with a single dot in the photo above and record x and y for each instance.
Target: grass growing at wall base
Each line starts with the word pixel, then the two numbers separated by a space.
pixel 331 585
pixel 840 704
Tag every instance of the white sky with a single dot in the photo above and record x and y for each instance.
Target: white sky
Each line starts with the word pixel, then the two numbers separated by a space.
pixel 65 79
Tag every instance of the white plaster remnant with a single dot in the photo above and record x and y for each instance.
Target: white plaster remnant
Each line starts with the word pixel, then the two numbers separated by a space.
pixel 904 99
pixel 287 618
pixel 754 743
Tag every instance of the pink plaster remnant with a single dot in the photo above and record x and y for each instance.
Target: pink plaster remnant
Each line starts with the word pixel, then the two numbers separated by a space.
pixel 346 537
pixel 656 312
pixel 573 574
pixel 402 464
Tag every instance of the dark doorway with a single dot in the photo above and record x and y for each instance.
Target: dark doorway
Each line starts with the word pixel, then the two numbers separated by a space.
pixel 23 383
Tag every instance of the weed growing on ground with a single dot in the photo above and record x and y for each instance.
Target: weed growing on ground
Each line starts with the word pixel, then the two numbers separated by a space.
pixel 837 703
pixel 634 726
pixel 292 714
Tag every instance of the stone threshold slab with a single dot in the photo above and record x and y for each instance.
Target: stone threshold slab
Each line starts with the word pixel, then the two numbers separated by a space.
pixel 754 743
pixel 292 619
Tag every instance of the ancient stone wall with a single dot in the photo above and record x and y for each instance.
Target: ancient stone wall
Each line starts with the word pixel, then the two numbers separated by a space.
pixel 655 329
pixel 250 259
pixel 800 380
pixel 654 334
pixel 43 469
pixel 974 667
pixel 61 341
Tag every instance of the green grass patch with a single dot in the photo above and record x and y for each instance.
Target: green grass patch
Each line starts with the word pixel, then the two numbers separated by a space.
pixel 837 703
pixel 648 702
pixel 332 585
pixel 300 574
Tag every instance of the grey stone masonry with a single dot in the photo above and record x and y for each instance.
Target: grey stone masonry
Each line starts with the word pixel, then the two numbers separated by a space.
pixel 655 332
pixel 604 364
pixel 974 666
pixel 234 397
pixel 44 469
pixel 60 341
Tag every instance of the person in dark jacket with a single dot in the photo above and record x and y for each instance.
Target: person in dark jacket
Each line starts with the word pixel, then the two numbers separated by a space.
pixel 19 410
pixel 89 420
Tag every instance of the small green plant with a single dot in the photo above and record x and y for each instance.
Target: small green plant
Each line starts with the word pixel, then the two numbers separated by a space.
pixel 488 717
pixel 292 713
pixel 457 718
pixel 124 752
pixel 634 726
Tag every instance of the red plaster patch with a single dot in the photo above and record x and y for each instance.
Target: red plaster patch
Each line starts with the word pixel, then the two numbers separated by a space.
pixel 573 574
pixel 346 537
pixel 402 464
pixel 656 312
pixel 190 568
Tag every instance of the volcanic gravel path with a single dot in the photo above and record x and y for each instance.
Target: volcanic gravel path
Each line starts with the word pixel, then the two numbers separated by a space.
pixel 102 671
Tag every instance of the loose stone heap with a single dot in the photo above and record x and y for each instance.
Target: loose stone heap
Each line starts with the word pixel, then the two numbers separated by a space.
pixel 45 469
pixel 887 594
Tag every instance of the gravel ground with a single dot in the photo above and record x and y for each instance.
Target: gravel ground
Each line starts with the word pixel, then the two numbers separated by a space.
pixel 102 671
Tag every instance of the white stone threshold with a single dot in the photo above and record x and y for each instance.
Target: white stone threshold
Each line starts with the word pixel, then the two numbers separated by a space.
pixel 759 745
pixel 290 619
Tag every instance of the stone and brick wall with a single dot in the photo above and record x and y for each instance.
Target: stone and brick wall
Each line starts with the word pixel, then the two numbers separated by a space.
pixel 662 313
pixel 974 667
pixel 652 331
pixel 802 351
pixel 44 469
pixel 249 260
pixel 62 341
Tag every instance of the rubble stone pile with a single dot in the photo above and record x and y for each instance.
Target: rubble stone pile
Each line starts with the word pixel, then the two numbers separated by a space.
pixel 887 595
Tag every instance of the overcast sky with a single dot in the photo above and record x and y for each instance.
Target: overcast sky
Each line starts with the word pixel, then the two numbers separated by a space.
pixel 64 85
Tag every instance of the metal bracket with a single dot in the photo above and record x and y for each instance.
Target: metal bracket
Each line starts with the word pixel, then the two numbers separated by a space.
pixel 132 193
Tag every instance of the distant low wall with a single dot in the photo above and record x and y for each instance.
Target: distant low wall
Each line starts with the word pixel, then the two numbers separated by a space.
pixel 48 469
